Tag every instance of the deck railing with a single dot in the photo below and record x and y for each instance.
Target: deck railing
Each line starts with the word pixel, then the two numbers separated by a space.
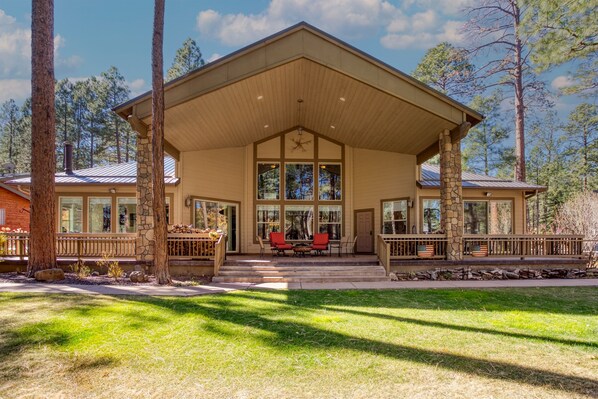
pixel 384 253
pixel 191 246
pixel 522 246
pixel 87 245
pixel 219 254
pixel 405 246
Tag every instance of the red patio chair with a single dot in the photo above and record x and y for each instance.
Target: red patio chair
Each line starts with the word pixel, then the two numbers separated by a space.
pixel 278 244
pixel 320 243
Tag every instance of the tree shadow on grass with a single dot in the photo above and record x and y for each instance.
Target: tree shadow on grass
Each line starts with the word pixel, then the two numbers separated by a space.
pixel 290 333
pixel 427 323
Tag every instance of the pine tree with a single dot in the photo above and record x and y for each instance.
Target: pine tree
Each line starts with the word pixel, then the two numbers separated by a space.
pixel 187 59
pixel 42 249
pixel 582 145
pixel 159 208
pixel 484 150
pixel 448 70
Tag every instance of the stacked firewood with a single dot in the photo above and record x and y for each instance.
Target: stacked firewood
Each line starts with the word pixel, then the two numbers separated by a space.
pixel 186 229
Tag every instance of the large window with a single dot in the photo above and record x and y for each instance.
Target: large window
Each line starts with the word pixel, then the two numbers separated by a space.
pixel 299 181
pixel 500 217
pixel 475 217
pixel 206 214
pixel 127 215
pixel 71 214
pixel 329 220
pixel 268 181
pixel 488 217
pixel 394 217
pixel 100 215
pixel 329 182
pixel 431 214
pixel 268 220
pixel 299 222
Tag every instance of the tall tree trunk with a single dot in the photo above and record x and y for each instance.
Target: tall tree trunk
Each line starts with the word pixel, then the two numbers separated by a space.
pixel 519 101
pixel 117 134
pixel 160 227
pixel 91 138
pixel 42 249
pixel 127 148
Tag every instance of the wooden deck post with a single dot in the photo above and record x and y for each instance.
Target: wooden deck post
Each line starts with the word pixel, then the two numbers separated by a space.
pixel 451 192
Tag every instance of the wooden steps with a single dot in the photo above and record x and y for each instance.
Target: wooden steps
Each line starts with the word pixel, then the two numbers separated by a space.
pixel 256 271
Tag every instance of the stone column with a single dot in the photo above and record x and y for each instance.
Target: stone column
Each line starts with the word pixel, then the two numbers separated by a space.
pixel 451 194
pixel 144 244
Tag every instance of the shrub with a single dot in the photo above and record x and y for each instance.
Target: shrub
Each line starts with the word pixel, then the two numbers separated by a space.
pixel 112 267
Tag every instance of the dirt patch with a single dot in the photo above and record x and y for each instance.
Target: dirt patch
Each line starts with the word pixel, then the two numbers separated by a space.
pixel 72 278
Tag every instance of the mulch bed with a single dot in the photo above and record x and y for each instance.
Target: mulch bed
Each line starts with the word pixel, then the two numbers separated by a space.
pixel 72 278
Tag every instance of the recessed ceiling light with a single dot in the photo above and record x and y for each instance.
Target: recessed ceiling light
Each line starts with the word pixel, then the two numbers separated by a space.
pixel 260 97
pixel 332 127
pixel 342 99
pixel 266 126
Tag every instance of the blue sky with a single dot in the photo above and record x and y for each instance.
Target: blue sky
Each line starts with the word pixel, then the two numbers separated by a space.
pixel 92 35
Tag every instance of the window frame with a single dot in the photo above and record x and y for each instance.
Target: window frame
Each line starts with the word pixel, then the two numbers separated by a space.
pixel 340 165
pixel 91 197
pixel 407 213
pixel 511 200
pixel 256 178
pixel 313 181
pixel 83 221
pixel 285 159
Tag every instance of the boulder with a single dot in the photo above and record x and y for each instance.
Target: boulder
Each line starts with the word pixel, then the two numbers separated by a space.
pixel 138 277
pixel 393 277
pixel 54 274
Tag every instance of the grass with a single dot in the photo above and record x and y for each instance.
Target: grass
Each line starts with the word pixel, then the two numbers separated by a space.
pixel 502 343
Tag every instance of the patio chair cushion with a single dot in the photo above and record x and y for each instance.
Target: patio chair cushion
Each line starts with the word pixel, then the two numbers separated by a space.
pixel 277 241
pixel 321 239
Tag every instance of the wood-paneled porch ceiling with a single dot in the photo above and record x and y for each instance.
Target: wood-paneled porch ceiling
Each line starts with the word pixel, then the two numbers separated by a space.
pixel 347 96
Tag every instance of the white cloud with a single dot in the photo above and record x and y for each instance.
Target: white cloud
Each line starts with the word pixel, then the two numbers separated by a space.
pixel 17 89
pixel 214 57
pixel 562 82
pixel 350 18
pixel 15 50
pixel 449 31
pixel 412 24
pixel 137 87
pixel 446 7
pixel 423 21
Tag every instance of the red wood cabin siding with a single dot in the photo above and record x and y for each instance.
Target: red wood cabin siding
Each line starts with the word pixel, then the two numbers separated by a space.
pixel 13 204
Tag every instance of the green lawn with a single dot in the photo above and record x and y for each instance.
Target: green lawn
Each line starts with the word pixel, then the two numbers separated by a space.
pixel 501 343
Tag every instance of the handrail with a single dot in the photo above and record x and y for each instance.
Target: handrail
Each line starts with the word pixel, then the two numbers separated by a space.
pixel 219 253
pixel 405 246
pixel 384 253
pixel 526 245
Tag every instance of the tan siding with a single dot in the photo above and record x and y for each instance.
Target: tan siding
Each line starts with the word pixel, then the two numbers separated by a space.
pixel 269 149
pixel 329 150
pixel 381 175
pixel 213 174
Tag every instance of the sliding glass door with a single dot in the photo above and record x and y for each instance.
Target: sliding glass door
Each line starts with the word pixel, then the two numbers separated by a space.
pixel 218 215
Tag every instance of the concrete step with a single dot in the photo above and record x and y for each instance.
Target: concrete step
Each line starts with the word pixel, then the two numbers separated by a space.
pixel 302 273
pixel 299 262
pixel 337 279
pixel 300 267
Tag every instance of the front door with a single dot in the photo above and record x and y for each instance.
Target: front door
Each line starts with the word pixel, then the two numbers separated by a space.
pixel 364 226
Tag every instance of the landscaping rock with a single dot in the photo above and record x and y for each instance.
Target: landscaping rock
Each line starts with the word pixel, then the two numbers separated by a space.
pixel 393 277
pixel 49 275
pixel 95 273
pixel 138 277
